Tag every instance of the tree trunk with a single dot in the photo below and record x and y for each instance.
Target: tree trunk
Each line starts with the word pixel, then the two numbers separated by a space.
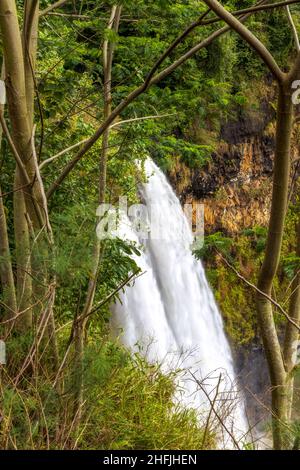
pixel 6 272
pixel 81 326
pixel 23 258
pixel 17 107
pixel 292 334
pixel 271 261
pixel 29 40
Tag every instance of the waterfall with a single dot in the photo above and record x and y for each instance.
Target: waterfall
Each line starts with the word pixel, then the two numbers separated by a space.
pixel 169 313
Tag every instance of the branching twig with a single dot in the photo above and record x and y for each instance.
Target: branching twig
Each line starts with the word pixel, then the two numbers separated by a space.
pixel 14 150
pixel 211 402
pixel 253 286
pixel 210 412
pixel 142 118
pixel 63 152
pixel 111 295
pixel 115 124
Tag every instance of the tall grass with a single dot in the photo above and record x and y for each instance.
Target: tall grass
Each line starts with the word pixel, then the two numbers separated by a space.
pixel 128 404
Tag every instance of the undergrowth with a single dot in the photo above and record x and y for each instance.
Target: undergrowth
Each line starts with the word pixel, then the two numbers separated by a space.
pixel 128 404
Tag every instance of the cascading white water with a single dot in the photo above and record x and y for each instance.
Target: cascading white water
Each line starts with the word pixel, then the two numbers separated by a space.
pixel 169 313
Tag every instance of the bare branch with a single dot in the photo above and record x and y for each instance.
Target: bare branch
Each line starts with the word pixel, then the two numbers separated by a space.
pixel 221 421
pixel 14 149
pixel 142 118
pixel 55 5
pixel 54 157
pixel 174 44
pixel 115 124
pixel 254 9
pixel 206 429
pixel 293 27
pixel 110 296
pixel 40 181
pixel 253 286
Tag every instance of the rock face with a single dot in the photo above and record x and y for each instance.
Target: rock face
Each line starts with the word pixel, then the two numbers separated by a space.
pixel 235 185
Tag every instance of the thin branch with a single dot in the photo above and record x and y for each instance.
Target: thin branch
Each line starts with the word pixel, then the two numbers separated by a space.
pixel 72 147
pixel 267 408
pixel 221 421
pixel 253 286
pixel 293 27
pixel 72 15
pixel 110 296
pixel 55 5
pixel 40 332
pixel 16 315
pixel 142 118
pixel 116 124
pixel 173 45
pixel 14 150
pixel 210 413
pixel 40 182
pixel 254 9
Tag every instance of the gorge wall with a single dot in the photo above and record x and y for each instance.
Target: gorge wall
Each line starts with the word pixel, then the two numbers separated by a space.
pixel 235 185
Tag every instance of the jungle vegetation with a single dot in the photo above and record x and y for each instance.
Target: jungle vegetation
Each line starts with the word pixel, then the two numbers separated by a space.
pixel 92 86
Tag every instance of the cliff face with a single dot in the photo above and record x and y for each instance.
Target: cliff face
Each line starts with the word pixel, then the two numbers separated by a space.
pixel 235 186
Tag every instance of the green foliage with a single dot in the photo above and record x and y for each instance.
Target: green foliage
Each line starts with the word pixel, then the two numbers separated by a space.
pixel 75 234
pixel 133 405
pixel 236 304
pixel 129 405
pixel 213 243
pixel 291 265
pixel 194 156
pixel 245 252
pixel 258 236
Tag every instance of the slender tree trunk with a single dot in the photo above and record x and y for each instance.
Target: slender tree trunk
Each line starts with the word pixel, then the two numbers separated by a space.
pixel 281 386
pixel 81 326
pixel 20 92
pixel 23 258
pixel 292 334
pixel 271 261
pixel 29 40
pixel 6 272
pixel 17 107
pixel 29 208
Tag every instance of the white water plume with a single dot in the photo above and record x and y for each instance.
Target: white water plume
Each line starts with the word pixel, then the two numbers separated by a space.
pixel 170 315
